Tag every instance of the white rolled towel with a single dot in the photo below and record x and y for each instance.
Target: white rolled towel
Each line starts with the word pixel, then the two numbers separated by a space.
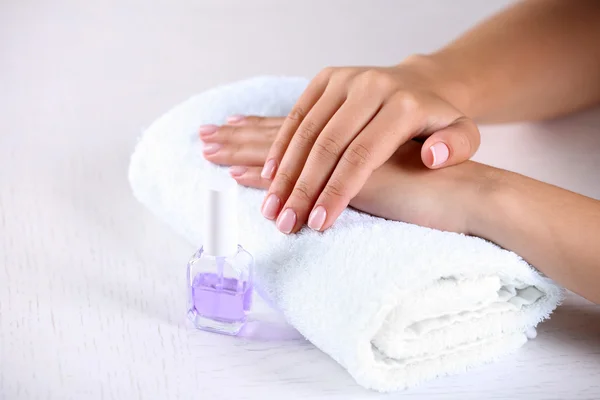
pixel 393 303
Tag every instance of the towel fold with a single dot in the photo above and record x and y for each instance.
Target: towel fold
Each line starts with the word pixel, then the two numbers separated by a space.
pixel 393 303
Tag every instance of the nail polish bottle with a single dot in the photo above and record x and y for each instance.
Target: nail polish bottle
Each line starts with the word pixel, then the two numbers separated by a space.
pixel 220 274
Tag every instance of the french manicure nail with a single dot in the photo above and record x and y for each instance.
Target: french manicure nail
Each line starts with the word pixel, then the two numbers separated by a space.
pixel 211 148
pixel 206 130
pixel 286 221
pixel 440 153
pixel 317 218
pixel 271 206
pixel 237 170
pixel 269 169
pixel 234 119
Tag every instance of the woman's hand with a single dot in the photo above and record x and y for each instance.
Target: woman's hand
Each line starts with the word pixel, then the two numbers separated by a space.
pixel 402 189
pixel 347 123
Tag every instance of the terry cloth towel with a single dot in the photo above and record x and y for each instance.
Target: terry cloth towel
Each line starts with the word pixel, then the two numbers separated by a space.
pixel 393 303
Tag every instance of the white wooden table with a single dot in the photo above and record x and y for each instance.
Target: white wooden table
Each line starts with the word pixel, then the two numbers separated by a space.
pixel 92 286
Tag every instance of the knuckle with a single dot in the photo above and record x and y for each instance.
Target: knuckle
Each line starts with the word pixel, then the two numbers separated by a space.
pixel 335 189
pixel 297 114
pixel 224 131
pixel 230 152
pixel 357 155
pixel 302 192
pixel 327 148
pixel 342 76
pixel 232 131
pixel 284 180
pixel 363 80
pixel 370 75
pixel 307 132
pixel 376 78
pixel 407 101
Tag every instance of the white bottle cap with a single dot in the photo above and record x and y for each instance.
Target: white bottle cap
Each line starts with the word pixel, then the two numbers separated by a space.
pixel 220 225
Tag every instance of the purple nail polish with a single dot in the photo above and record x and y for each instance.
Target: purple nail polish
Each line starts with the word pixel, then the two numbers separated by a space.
pixel 219 275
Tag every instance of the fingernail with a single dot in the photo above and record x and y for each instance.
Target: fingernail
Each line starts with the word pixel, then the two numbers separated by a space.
pixel 317 218
pixel 269 169
pixel 234 119
pixel 440 153
pixel 271 206
pixel 206 130
pixel 286 221
pixel 211 148
pixel 237 170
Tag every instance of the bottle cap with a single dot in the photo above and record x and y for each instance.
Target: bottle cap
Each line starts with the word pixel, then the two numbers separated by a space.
pixel 220 225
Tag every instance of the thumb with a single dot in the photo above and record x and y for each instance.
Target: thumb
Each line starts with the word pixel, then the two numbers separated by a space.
pixel 452 145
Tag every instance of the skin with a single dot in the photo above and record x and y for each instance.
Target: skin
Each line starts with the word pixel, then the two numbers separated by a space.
pixel 536 60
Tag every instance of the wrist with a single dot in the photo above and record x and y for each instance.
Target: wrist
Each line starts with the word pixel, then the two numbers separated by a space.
pixel 491 199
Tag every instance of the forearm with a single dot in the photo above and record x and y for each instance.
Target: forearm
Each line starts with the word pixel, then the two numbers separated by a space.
pixel 555 230
pixel 538 59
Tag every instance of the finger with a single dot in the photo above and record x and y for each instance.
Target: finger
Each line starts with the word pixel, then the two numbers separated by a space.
pixel 452 145
pixel 252 120
pixel 241 134
pixel 249 176
pixel 295 157
pixel 292 122
pixel 236 153
pixel 242 145
pixel 373 146
pixel 325 154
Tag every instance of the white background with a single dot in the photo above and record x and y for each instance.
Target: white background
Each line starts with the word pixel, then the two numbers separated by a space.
pixel 91 285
